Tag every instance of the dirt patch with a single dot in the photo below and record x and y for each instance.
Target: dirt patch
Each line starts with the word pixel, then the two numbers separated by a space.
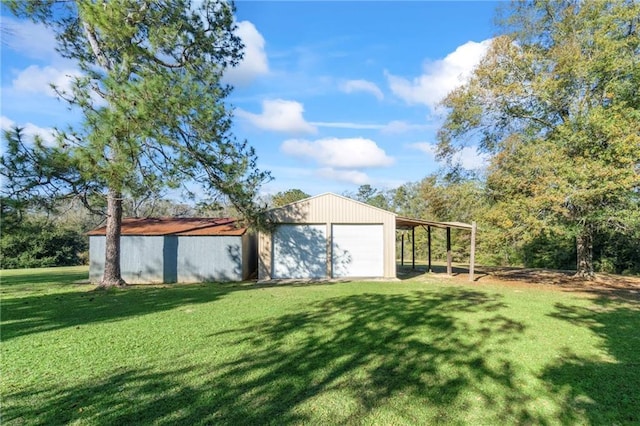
pixel 605 285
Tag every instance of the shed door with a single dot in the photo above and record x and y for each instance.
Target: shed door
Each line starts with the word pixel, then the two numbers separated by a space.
pixel 300 251
pixel 357 251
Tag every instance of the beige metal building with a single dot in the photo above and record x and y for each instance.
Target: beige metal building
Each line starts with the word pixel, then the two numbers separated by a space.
pixel 328 236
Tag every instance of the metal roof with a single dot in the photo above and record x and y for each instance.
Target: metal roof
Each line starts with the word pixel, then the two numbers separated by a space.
pixel 179 226
pixel 408 223
pixel 331 195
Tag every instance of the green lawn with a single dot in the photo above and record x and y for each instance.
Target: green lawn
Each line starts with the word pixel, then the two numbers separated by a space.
pixel 419 351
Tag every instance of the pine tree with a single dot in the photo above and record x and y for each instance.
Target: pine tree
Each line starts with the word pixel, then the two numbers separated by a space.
pixel 152 101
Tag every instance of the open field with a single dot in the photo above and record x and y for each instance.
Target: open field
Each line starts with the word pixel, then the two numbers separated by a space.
pixel 422 350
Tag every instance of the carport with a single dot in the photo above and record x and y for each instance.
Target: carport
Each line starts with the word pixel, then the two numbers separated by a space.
pixel 404 223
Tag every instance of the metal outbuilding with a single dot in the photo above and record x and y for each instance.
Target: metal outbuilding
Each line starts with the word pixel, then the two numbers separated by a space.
pixel 328 236
pixel 166 250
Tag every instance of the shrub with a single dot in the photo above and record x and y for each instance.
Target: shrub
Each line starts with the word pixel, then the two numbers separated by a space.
pixel 37 243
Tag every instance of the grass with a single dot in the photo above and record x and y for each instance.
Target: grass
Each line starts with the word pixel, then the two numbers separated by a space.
pixel 419 351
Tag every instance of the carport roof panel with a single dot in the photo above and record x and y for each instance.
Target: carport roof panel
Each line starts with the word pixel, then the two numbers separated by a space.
pixel 178 226
pixel 408 223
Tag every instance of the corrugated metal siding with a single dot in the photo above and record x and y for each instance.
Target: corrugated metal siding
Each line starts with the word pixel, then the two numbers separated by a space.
pixel 166 259
pixel 96 258
pixel 142 259
pixel 330 209
pixel 201 259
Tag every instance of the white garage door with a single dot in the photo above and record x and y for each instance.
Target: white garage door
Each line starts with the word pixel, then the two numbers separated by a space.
pixel 358 251
pixel 300 251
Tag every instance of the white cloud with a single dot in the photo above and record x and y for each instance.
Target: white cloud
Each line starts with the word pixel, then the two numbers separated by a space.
pixel 350 176
pixel 468 157
pixel 28 38
pixel 279 115
pixel 6 123
pixel 426 147
pixel 30 130
pixel 351 86
pixel 398 126
pixel 38 80
pixel 392 127
pixel 337 153
pixel 254 63
pixel 347 125
pixel 439 77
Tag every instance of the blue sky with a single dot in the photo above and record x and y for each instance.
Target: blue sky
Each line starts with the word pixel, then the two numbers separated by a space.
pixel 332 95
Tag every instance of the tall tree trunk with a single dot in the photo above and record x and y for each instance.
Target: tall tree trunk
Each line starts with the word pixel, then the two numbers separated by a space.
pixel 584 246
pixel 112 276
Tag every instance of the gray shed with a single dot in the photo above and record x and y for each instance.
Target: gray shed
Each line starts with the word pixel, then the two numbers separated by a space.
pixel 167 250
pixel 328 236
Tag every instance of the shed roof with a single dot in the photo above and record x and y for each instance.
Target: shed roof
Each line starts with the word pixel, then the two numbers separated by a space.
pixel 178 226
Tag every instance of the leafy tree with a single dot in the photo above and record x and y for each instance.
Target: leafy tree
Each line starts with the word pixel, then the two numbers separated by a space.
pixel 556 101
pixel 37 242
pixel 405 200
pixel 618 252
pixel 289 196
pixel 156 204
pixel 152 103
pixel 372 196
pixel 30 239
pixel 548 251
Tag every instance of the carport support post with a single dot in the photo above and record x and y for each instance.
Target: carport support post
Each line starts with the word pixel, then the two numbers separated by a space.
pixel 413 248
pixel 448 251
pixel 429 246
pixel 472 254
pixel 402 250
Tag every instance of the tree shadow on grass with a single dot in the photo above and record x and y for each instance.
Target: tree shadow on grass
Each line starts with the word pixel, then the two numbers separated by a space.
pixel 38 313
pixel 43 277
pixel 603 390
pixel 44 312
pixel 337 361
pixel 373 347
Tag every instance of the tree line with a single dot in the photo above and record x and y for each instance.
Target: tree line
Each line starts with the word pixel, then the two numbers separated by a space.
pixel 555 103
pixel 500 241
pixel 55 237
